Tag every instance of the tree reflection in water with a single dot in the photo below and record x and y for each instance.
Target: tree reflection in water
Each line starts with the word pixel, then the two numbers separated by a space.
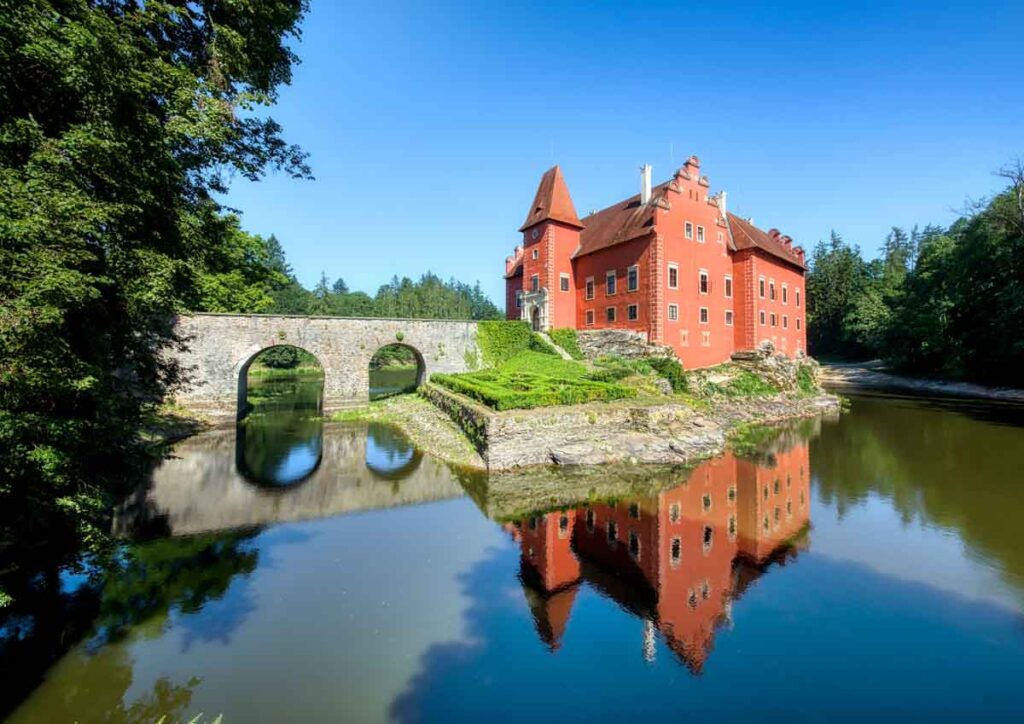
pixel 390 455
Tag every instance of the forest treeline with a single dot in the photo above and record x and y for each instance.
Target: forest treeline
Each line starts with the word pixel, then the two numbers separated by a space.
pixel 937 301
pixel 269 286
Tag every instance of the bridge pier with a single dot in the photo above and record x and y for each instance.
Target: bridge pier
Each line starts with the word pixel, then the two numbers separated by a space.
pixel 220 347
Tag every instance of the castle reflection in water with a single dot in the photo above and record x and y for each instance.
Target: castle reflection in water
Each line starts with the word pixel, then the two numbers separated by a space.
pixel 676 559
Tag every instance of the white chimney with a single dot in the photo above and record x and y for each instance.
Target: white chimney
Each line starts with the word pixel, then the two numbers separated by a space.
pixel 645 183
pixel 721 202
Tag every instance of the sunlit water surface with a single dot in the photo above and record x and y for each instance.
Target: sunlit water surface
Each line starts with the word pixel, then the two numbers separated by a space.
pixel 866 567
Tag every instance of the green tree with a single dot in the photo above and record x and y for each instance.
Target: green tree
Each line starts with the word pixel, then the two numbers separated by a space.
pixel 119 121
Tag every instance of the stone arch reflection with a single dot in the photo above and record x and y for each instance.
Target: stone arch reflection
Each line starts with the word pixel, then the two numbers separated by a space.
pixel 390 455
pixel 279 437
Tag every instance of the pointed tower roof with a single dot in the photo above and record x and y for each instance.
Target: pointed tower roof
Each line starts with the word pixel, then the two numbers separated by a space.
pixel 552 202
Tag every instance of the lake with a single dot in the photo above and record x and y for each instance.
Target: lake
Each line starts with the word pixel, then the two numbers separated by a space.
pixel 869 566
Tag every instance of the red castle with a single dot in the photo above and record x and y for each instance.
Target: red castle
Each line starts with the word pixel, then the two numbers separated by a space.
pixel 671 263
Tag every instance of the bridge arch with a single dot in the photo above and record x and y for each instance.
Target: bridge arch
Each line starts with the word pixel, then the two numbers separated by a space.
pixel 388 374
pixel 242 404
pixel 219 347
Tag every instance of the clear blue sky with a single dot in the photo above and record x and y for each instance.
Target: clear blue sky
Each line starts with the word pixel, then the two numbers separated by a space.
pixel 428 124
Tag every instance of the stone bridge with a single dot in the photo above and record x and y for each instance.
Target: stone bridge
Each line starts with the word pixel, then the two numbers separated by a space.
pixel 220 348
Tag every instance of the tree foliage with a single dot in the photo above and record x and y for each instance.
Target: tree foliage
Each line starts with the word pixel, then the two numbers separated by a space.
pixel 938 301
pixel 119 121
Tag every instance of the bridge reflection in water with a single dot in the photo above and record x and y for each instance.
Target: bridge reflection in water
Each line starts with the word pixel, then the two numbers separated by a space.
pixel 203 487
pixel 676 559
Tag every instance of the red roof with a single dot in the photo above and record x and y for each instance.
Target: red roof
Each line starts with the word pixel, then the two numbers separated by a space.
pixel 618 223
pixel 747 236
pixel 552 202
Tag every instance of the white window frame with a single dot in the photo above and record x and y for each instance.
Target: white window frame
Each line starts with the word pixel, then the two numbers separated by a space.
pixel 774 320
pixel 785 293
pixel 797 322
pixel 761 318
pixel 797 292
pixel 519 299
pixel 563 277
pixel 728 317
pixel 727 286
pixel 703 280
pixel 673 312
pixel 632 312
pixel 785 321
pixel 614 315
pixel 588 288
pixel 611 276
pixel 535 254
pixel 634 270
pixel 588 318
pixel 704 315
pixel 535 282
pixel 771 290
pixel 762 286
pixel 672 267
pixel 700 234
pixel 688 230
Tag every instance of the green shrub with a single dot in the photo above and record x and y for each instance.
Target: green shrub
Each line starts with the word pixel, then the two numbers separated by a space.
pixel 566 339
pixel 672 370
pixel 506 390
pixel 539 344
pixel 539 363
pixel 501 340
pixel 805 380
pixel 747 384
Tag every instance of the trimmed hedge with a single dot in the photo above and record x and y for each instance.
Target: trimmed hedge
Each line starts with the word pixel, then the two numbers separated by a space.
pixel 501 340
pixel 566 339
pixel 504 390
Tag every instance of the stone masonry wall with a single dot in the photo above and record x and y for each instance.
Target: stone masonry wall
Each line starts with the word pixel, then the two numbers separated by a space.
pixel 625 343
pixel 220 347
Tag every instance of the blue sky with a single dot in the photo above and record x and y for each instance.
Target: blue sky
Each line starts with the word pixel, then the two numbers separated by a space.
pixel 429 124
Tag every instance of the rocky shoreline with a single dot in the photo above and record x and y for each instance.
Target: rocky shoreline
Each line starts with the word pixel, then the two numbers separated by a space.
pixel 874 377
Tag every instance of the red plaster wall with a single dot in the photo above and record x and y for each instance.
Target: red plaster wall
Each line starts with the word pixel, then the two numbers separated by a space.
pixel 512 285
pixel 786 340
pixel 619 258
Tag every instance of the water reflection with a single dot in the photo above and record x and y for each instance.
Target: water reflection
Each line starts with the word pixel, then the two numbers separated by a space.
pixel 360 467
pixel 676 559
pixel 280 441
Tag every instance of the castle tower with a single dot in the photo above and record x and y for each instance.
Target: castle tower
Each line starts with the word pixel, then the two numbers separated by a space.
pixel 551 233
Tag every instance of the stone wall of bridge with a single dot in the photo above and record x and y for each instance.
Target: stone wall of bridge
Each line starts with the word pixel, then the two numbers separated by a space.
pixel 220 347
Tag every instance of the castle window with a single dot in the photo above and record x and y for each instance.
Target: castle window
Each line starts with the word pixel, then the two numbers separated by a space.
pixel 632 278
pixel 766 492
pixel 798 297
pixel 702 282
pixel 789 508
pixel 609 283
pixel 798 322
pixel 731 494
pixel 785 294
pixel 760 287
pixel 563 522
pixel 721 238
pixel 771 289
pixel 535 253
pixel 673 312
pixel 773 319
pixel 728 317
pixel 534 283
pixel 613 531
pixel 732 527
pixel 673 276
pixel 532 523
pixel 673 513
pixel 700 234
pixel 777 486
pixel 634 545
pixel 705 590
pixel 762 318
pixel 519 299
pixel 633 312
pixel 705 339
pixel 777 516
pixel 676 550
pixel 706 502
pixel 563 282
pixel 609 314
pixel 728 286
pixel 590 317
pixel 589 294
pixel 689 230
pixel 709 537
pixel 785 321
pixel 590 519
pixel 634 511
pixel 703 315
